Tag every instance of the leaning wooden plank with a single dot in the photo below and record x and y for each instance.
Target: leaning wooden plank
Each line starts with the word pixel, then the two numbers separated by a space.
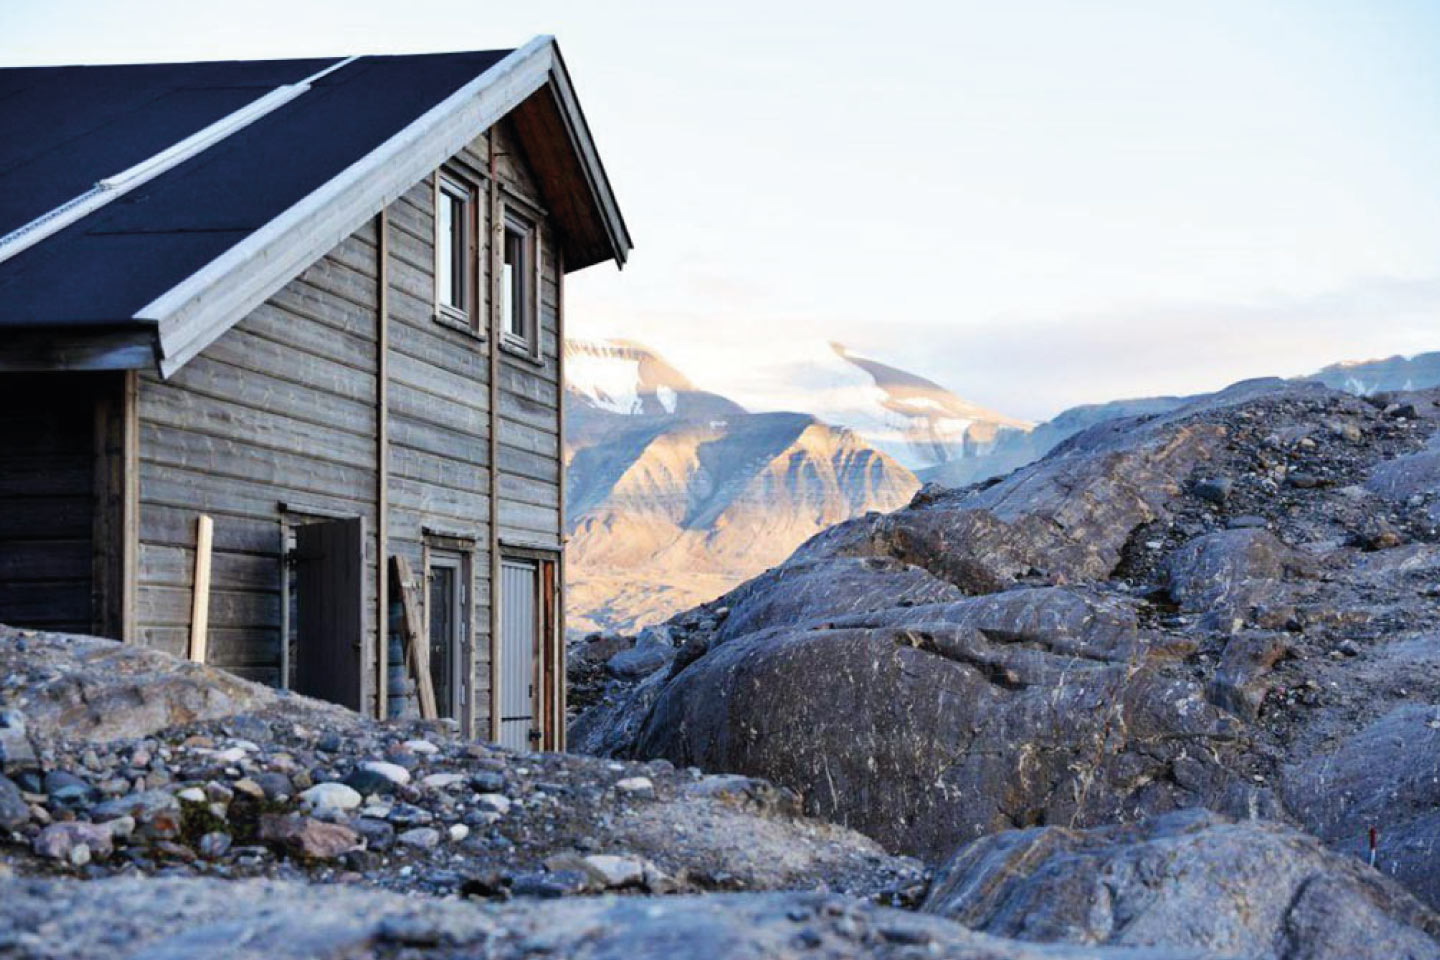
pixel 200 593
pixel 417 653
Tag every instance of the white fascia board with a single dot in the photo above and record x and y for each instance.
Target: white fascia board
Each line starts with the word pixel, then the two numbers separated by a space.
pixel 196 311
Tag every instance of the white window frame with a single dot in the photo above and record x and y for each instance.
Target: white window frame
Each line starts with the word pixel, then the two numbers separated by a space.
pixel 527 227
pixel 450 185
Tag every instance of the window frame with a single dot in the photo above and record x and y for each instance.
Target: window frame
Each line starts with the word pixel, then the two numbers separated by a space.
pixel 524 223
pixel 451 184
pixel 458 554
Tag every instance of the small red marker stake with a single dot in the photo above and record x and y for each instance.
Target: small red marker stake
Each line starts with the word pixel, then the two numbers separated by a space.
pixel 1374 843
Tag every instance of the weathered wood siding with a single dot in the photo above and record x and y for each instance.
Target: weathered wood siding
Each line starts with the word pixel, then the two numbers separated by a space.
pixel 440 406
pixel 47 433
pixel 529 496
pixel 439 421
pixel 281 409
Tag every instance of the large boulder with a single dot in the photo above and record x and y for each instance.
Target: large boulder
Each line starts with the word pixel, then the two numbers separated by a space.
pixel 1226 573
pixel 653 650
pixel 87 688
pixel 1128 642
pixel 1067 621
pixel 1193 880
pixel 930 725
pixel 609 728
pixel 1411 479
pixel 802 592
pixel 1385 778
pixel 1066 518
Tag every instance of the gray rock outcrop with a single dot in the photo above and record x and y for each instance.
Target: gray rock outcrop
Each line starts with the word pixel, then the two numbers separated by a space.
pixel 1187 880
pixel 168 918
pixel 1103 642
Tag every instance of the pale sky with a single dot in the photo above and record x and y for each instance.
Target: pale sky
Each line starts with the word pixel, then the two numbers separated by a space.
pixel 1037 203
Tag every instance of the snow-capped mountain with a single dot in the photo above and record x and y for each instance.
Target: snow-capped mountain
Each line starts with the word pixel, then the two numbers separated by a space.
pixel 918 422
pixel 611 385
pixel 623 377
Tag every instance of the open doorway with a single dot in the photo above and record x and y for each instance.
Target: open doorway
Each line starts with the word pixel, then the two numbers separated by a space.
pixel 323 629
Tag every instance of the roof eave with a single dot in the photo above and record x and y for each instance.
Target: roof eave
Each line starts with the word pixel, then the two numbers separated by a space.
pixel 99 346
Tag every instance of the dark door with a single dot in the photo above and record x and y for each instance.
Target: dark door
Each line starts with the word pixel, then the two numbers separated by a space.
pixel 47 519
pixel 330 597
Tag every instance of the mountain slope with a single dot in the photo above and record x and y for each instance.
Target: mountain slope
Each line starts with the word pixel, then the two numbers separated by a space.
pixel 675 495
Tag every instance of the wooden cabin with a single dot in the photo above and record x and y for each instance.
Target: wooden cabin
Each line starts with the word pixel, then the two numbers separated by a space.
pixel 280 326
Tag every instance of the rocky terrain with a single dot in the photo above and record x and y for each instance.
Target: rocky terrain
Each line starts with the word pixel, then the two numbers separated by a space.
pixel 678 495
pixel 154 808
pixel 1041 687
pixel 122 760
pixel 1187 879
pixel 167 919
pixel 1013 449
pixel 1232 605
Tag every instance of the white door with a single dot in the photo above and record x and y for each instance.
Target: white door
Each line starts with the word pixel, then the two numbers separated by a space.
pixel 519 639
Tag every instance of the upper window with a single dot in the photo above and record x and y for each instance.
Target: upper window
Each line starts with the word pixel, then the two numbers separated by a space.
pixel 455 250
pixel 517 282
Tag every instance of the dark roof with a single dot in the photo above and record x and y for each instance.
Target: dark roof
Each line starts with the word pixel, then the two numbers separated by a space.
pixel 64 128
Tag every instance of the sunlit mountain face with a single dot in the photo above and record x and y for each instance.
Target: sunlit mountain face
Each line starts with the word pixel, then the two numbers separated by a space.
pixel 675 494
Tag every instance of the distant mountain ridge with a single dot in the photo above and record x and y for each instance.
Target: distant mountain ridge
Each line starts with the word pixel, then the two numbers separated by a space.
pixel 676 494
pixel 1013 450
pixel 1365 377
pixel 937 425
pixel 626 378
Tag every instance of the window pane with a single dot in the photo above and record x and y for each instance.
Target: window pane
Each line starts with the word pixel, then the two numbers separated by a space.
pixel 508 306
pixel 512 284
pixel 457 263
pixel 450 259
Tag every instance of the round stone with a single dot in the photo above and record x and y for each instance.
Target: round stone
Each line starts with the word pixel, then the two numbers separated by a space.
pixel 393 772
pixel 330 796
